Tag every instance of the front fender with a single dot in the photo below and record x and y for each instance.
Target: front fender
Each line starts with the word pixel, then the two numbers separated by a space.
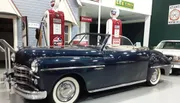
pixel 51 69
pixel 49 79
pixel 66 61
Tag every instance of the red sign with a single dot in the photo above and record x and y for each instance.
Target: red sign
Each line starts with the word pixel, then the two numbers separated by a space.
pixel 84 43
pixel 116 41
pixel 85 19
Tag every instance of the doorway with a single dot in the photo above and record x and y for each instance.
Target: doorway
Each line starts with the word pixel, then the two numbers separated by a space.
pixel 134 31
pixel 94 28
pixel 6 33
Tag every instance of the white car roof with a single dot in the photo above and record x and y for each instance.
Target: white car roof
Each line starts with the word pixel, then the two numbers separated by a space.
pixel 170 41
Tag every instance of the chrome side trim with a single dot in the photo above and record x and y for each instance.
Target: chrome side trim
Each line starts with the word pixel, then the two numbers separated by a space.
pixel 160 66
pixel 67 68
pixel 31 95
pixel 117 86
pixel 124 62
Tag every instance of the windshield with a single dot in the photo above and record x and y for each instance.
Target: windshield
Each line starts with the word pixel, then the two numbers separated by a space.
pixel 98 41
pixel 169 45
pixel 89 40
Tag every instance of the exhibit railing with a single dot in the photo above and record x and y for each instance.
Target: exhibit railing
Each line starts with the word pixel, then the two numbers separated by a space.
pixel 7 50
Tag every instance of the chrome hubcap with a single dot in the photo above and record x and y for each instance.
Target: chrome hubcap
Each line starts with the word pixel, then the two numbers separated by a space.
pixel 65 91
pixel 155 75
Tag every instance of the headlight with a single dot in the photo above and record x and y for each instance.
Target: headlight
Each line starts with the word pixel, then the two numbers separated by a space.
pixel 13 57
pixel 176 58
pixel 34 66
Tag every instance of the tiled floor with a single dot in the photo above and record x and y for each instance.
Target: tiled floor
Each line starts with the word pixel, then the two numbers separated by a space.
pixel 167 91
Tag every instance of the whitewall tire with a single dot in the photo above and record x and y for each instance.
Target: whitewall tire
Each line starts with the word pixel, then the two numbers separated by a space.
pixel 66 90
pixel 154 76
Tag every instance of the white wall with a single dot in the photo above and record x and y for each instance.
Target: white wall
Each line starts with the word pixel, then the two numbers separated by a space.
pixel 147 31
pixel 84 26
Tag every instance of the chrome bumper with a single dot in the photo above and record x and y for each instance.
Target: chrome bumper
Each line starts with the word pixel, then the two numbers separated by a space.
pixel 31 95
pixel 167 69
pixel 176 65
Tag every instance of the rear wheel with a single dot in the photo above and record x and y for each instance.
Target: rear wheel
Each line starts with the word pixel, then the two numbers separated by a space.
pixel 154 76
pixel 66 90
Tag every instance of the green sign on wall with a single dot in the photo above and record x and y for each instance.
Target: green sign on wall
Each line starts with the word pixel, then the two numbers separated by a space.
pixel 125 4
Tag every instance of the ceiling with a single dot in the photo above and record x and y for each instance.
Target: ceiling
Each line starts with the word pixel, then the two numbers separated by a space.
pixel 92 11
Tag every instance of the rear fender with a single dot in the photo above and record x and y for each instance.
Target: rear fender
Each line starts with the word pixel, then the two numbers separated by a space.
pixel 158 60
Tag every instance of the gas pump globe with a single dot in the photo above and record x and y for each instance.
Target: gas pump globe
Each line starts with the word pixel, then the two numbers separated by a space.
pixel 54 25
pixel 114 28
pixel 52 3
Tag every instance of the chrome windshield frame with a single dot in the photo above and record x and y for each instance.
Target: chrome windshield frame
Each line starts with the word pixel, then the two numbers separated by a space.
pixel 97 34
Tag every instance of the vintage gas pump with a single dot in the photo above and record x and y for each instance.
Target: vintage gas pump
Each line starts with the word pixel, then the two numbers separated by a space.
pixel 54 25
pixel 114 27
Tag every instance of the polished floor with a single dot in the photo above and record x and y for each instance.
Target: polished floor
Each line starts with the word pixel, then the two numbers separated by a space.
pixel 167 91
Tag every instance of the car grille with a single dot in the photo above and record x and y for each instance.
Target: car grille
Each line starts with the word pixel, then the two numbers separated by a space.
pixel 170 57
pixel 24 78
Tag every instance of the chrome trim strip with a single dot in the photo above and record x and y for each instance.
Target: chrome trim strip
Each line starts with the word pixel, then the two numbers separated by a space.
pixel 23 83
pixel 160 66
pixel 31 95
pixel 124 62
pixel 27 70
pixel 21 68
pixel 66 68
pixel 21 75
pixel 117 86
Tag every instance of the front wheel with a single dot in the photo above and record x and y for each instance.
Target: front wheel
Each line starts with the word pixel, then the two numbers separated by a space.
pixel 66 90
pixel 154 76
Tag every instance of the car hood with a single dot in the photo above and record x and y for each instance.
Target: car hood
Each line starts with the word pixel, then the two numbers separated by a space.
pixel 174 52
pixel 26 55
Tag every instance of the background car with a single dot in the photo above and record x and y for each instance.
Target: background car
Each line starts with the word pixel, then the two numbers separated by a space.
pixel 63 73
pixel 171 49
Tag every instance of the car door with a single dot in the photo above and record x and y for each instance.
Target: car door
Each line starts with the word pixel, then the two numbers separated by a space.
pixel 129 66
pixel 132 65
pixel 101 77
pixel 120 67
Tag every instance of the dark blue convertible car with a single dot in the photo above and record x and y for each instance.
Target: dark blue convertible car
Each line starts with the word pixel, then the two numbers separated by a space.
pixel 87 63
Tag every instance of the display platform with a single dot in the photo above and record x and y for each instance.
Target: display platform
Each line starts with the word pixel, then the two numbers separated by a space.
pixel 164 92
